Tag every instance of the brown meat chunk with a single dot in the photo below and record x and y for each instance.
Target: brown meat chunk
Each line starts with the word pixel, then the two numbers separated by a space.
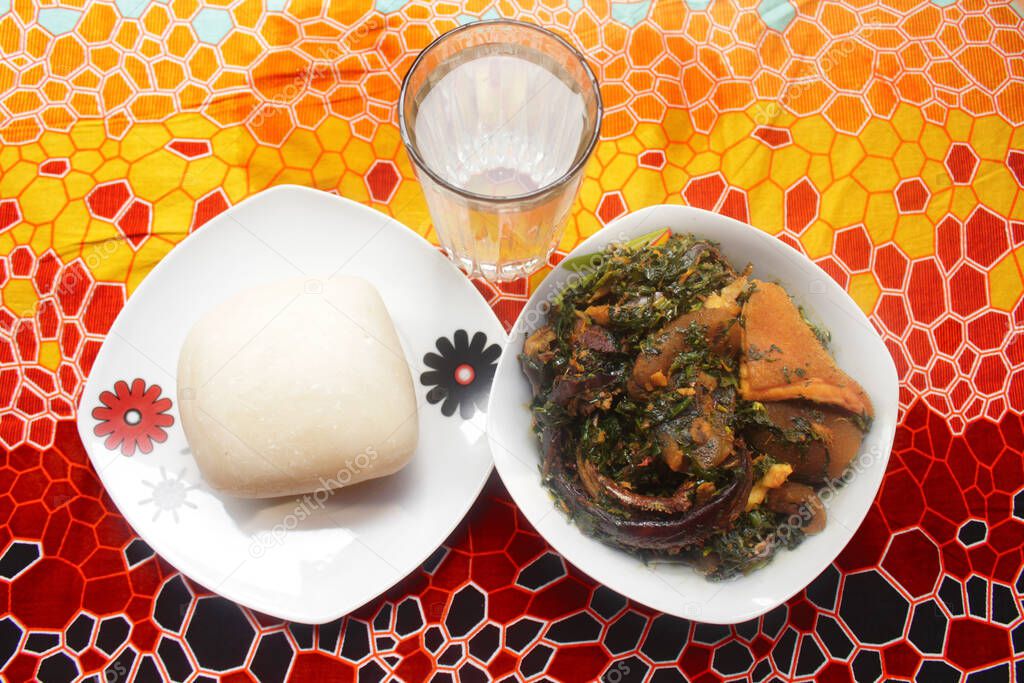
pixel 536 353
pixel 704 437
pixel 597 338
pixel 821 455
pixel 720 328
pixel 576 393
pixel 670 451
pixel 598 486
pixel 599 314
pixel 782 359
pixel 539 342
pixel 798 500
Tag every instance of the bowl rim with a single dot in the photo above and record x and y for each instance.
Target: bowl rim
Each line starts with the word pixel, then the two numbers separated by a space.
pixel 767 241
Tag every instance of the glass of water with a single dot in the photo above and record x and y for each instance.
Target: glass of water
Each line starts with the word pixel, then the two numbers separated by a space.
pixel 499 119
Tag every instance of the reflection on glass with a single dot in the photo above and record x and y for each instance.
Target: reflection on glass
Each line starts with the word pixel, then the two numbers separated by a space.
pixel 499 118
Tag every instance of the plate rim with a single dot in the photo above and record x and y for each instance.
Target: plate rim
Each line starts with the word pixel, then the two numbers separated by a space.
pixel 168 550
pixel 887 440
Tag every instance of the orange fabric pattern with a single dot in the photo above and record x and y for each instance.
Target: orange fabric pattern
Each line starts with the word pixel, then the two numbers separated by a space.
pixel 885 140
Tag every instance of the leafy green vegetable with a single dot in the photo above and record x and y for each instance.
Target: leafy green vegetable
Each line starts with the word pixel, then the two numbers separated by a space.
pixel 614 308
pixel 749 544
pixel 586 262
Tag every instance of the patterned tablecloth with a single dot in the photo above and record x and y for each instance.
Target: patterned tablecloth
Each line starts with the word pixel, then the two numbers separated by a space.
pixel 883 139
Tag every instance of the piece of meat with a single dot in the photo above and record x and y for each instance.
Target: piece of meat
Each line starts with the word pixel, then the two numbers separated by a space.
pixel 539 341
pixel 782 359
pixel 703 437
pixel 642 529
pixel 720 328
pixel 597 338
pixel 710 434
pixel 670 451
pixel 536 354
pixel 823 454
pixel 573 391
pixel 599 314
pixel 798 501
pixel 598 485
pixel 592 337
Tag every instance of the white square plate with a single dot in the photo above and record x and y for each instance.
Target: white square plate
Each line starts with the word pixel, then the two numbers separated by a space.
pixel 304 558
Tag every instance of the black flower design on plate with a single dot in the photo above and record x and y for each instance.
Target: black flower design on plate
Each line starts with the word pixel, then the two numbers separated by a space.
pixel 461 374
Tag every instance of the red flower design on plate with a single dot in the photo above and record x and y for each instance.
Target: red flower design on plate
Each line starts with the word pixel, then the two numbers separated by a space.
pixel 133 417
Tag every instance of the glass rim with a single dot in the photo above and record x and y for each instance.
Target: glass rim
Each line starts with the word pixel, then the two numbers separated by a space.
pixel 576 166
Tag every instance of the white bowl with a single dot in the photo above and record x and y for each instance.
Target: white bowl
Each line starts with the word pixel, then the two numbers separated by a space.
pixel 671 587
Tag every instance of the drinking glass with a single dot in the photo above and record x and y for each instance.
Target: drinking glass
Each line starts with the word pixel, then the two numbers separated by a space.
pixel 499 119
